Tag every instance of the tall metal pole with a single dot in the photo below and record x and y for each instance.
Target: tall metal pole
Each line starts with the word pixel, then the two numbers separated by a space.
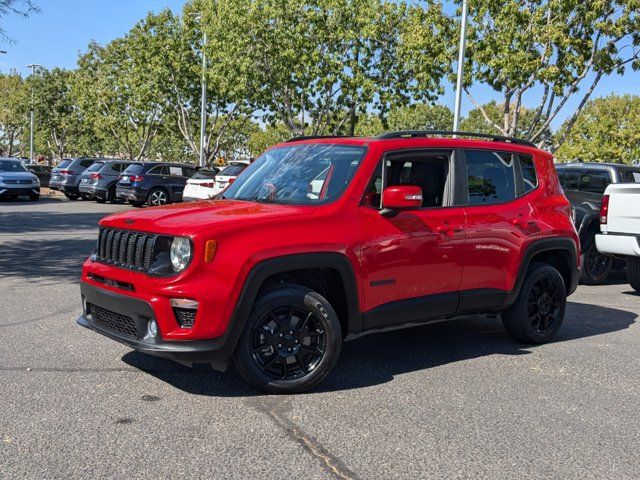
pixel 461 57
pixel 203 105
pixel 33 67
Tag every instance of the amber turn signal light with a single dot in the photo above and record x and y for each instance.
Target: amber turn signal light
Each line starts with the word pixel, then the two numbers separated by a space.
pixel 210 250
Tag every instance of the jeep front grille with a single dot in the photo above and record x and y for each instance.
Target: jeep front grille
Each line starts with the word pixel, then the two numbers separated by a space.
pixel 126 249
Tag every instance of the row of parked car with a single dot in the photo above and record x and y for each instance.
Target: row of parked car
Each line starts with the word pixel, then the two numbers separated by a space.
pixel 140 183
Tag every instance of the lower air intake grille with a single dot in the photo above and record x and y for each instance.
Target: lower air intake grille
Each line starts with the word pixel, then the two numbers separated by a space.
pixel 112 321
pixel 186 317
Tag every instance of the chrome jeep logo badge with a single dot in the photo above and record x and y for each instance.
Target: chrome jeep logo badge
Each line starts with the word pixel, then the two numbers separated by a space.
pixel 129 221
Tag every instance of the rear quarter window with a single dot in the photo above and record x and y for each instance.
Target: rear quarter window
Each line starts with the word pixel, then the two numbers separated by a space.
pixel 529 175
pixel 232 170
pixel 134 168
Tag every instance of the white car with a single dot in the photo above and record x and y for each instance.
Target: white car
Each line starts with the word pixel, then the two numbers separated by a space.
pixel 201 185
pixel 229 174
pixel 620 227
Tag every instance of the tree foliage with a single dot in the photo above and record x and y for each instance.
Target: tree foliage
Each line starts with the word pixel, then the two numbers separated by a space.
pixel 412 117
pixel 607 130
pixel 550 51
pixel 14 108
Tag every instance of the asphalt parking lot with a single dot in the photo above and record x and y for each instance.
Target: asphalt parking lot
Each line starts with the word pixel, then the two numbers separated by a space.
pixel 449 400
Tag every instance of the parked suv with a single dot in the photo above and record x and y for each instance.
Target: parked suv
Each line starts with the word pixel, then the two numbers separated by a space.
pixel 153 183
pixel 17 181
pixel 404 229
pixel 66 177
pixel 100 179
pixel 584 185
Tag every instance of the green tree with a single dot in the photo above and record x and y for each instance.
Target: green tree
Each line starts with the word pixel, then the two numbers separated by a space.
pixel 607 130
pixel 57 117
pixel 14 108
pixel 420 116
pixel 550 51
pixel 315 67
pixel 121 96
pixel 475 121
pixel 263 138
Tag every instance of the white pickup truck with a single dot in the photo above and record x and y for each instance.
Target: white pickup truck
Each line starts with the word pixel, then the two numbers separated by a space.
pixel 620 227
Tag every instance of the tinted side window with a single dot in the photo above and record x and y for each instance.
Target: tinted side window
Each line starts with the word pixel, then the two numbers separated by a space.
pixel 188 172
pixel 490 177
pixel 570 180
pixel 529 176
pixel 86 163
pixel 595 182
pixel 159 170
pixel 630 176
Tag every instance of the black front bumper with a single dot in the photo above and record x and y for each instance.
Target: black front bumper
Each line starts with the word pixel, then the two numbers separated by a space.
pixel 215 352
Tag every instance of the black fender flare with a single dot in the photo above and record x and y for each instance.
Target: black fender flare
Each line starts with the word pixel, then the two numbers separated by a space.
pixel 266 268
pixel 565 245
pixel 586 213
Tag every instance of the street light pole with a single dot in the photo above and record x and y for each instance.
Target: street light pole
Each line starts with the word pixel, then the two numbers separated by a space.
pixel 203 104
pixel 461 56
pixel 33 67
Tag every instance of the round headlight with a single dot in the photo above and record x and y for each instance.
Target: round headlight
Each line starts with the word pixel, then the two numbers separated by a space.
pixel 180 253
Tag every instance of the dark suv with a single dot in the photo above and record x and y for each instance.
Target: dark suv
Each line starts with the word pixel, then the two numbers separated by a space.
pixel 100 179
pixel 153 183
pixel 584 185
pixel 323 238
pixel 66 176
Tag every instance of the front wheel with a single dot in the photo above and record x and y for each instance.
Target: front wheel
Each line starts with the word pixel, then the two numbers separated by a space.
pixel 633 273
pixel 596 266
pixel 291 341
pixel 538 312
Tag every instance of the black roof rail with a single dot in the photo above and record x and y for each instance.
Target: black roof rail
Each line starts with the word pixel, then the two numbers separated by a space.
pixel 424 133
pixel 315 137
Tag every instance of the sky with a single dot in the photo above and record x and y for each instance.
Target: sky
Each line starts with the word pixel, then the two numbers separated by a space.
pixel 64 28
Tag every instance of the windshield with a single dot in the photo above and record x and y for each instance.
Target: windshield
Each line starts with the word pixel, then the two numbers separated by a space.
pixel 233 170
pixel 95 167
pixel 133 168
pixel 306 174
pixel 11 166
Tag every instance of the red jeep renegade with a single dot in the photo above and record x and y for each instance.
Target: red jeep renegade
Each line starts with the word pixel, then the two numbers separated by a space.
pixel 321 238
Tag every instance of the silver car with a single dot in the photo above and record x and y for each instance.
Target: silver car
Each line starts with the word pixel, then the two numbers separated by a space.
pixel 16 180
pixel 66 176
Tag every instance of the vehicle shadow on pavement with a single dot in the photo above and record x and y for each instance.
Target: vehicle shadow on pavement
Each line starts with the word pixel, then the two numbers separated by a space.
pixel 377 358
pixel 32 222
pixel 44 260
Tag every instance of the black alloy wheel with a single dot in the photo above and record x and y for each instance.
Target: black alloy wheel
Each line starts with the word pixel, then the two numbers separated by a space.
pixel 538 312
pixel 288 342
pixel 544 305
pixel 596 266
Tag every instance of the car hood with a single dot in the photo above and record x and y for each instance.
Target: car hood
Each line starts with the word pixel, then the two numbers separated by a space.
pixel 17 175
pixel 191 217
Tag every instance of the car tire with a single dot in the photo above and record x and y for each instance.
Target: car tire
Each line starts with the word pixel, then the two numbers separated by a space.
pixel 72 196
pixel 596 266
pixel 112 197
pixel 137 204
pixel 290 342
pixel 538 312
pixel 157 197
pixel 633 273
pixel 34 198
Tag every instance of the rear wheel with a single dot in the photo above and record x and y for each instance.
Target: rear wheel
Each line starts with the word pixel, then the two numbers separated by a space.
pixel 157 197
pixel 290 342
pixel 72 196
pixel 596 266
pixel 34 198
pixel 111 196
pixel 538 312
pixel 633 273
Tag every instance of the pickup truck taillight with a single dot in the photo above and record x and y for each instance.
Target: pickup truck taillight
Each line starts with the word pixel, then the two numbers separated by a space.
pixel 604 210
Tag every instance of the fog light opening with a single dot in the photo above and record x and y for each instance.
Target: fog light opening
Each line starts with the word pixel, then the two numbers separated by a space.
pixel 185 311
pixel 152 329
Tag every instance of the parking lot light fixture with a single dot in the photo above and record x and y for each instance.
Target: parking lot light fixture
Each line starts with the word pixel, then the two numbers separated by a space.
pixel 33 67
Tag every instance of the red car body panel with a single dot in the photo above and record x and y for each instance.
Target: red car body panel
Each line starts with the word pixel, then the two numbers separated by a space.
pixel 417 252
